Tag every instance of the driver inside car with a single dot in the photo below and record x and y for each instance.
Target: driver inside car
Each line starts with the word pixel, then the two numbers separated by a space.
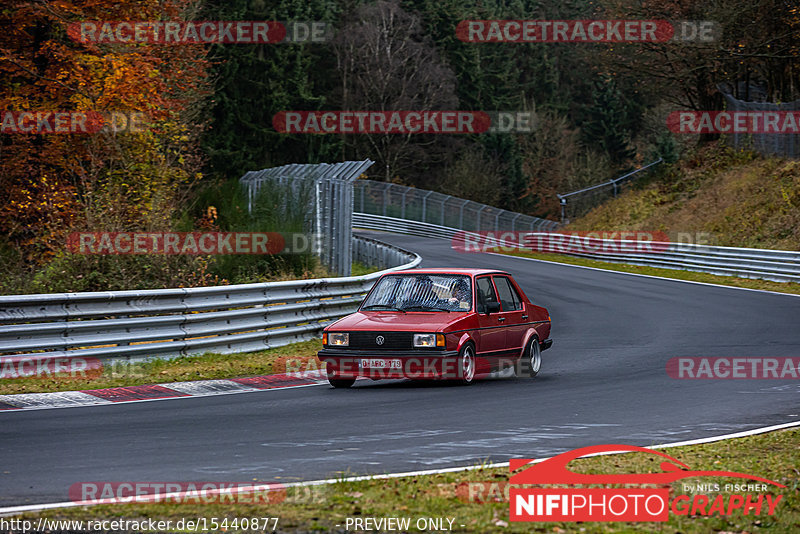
pixel 459 295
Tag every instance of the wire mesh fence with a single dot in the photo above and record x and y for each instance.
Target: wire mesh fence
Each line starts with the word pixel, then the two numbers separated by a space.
pixel 394 200
pixel 330 193
pixel 326 192
pixel 778 144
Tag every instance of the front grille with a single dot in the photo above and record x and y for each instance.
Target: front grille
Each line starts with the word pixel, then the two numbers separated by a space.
pixel 391 340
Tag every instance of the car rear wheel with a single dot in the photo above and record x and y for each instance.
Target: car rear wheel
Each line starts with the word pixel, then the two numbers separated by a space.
pixel 531 361
pixel 466 364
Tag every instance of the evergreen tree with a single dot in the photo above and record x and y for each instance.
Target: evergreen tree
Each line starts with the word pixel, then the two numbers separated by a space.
pixel 255 81
pixel 608 124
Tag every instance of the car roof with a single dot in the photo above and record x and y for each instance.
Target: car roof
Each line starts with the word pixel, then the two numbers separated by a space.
pixel 443 270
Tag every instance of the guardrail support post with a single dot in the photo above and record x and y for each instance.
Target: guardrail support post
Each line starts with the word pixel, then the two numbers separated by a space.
pixel 425 205
pixel 461 215
pixel 403 205
pixel 478 228
pixel 514 222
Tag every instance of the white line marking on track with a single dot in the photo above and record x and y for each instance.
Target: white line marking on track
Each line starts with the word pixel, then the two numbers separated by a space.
pixel 10 510
pixel 648 275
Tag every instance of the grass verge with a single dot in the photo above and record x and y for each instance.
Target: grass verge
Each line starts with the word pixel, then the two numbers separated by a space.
pixel 204 367
pixel 775 456
pixel 731 197
pixel 675 274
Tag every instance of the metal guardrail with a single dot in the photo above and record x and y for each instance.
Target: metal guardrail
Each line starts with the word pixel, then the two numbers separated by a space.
pixel 775 265
pixel 165 323
pixel 615 183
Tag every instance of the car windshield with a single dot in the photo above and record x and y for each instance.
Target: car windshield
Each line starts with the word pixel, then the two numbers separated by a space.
pixel 421 292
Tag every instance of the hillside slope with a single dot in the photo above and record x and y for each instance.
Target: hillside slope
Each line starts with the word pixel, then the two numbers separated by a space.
pixel 731 198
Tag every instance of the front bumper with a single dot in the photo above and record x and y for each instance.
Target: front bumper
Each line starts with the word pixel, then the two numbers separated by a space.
pixel 423 363
pixel 364 353
pixel 546 344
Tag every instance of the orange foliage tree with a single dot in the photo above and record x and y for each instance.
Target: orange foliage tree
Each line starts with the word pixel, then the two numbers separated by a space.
pixel 109 180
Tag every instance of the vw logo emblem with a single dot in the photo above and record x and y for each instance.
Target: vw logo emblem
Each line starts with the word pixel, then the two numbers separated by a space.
pixel 379 340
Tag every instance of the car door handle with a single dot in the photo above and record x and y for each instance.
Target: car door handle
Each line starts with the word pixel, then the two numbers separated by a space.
pixel 501 319
pixel 524 316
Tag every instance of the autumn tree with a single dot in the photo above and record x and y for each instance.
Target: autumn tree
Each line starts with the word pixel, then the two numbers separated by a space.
pixel 109 180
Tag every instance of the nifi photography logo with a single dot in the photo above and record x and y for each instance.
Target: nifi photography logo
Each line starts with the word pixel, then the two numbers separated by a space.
pixel 650 502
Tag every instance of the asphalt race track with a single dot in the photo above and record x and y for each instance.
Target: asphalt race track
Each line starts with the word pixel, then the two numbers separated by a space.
pixel 604 381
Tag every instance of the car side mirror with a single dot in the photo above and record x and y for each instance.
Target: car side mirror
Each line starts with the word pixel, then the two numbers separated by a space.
pixel 492 306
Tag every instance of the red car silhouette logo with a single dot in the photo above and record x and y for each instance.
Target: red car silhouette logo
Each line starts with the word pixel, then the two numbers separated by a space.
pixel 554 470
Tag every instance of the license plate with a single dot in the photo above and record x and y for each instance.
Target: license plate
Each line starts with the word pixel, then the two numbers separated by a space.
pixel 373 363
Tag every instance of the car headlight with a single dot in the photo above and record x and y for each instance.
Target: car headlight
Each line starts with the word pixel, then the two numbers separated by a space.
pixel 339 339
pixel 429 340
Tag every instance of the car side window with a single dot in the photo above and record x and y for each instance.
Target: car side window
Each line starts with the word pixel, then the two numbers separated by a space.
pixel 485 292
pixel 509 297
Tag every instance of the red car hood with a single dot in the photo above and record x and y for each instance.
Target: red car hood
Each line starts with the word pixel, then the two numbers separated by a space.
pixel 380 320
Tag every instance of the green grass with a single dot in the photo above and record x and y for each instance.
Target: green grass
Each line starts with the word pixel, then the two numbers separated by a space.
pixel 359 269
pixel 774 455
pixel 204 367
pixel 676 274
pixel 732 198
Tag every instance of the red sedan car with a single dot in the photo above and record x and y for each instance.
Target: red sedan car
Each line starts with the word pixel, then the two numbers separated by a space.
pixel 438 324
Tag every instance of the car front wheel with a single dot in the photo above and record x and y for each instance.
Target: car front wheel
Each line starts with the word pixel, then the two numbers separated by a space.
pixel 339 382
pixel 466 364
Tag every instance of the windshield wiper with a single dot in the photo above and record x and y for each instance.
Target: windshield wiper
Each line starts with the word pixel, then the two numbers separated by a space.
pixel 384 306
pixel 432 308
